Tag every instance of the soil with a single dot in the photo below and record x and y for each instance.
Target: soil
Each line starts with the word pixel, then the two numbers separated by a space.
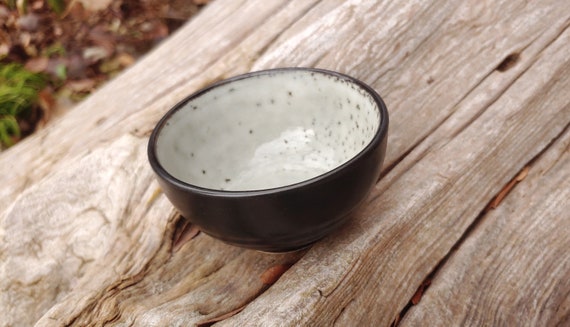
pixel 80 44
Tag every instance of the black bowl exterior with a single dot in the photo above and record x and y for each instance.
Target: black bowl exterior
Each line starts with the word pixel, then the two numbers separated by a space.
pixel 280 221
pixel 285 218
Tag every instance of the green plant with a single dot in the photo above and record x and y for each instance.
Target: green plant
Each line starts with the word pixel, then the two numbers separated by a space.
pixel 58 6
pixel 19 90
pixel 55 49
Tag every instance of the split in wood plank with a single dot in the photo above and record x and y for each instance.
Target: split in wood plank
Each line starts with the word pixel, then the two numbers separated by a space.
pixel 82 243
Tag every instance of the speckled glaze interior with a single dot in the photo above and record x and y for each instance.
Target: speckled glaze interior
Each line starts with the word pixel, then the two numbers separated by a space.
pixel 267 131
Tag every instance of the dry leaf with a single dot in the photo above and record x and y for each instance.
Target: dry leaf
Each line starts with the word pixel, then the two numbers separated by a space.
pixel 420 292
pixel 503 193
pixel 94 54
pixel 125 59
pixel 154 196
pixel 47 104
pixel 4 50
pixel 102 39
pixel 271 275
pixel 95 5
pixel 37 5
pixel 84 85
pixel 522 175
pixel 29 22
pixel 25 39
pixel 77 11
pixel 4 12
pixel 37 65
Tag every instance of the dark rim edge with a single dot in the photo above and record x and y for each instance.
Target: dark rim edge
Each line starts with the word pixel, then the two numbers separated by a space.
pixel 157 167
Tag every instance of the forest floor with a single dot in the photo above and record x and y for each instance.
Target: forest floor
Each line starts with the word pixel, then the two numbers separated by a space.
pixel 60 51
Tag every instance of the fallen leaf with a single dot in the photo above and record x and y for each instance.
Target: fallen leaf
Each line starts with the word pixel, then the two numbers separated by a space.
pixel 37 65
pixel 29 22
pixel 125 59
pixel 94 54
pixel 210 322
pixel 76 67
pixel 84 85
pixel 522 175
pixel 37 5
pixel 25 39
pixel 47 104
pixel 503 193
pixel 116 64
pixel 77 11
pixel 4 50
pixel 154 30
pixel 272 274
pixel 102 39
pixel 4 12
pixel 420 292
pixel 154 196
pixel 95 5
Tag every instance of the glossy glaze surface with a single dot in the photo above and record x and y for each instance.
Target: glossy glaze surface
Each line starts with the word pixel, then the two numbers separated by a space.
pixel 272 160
pixel 267 131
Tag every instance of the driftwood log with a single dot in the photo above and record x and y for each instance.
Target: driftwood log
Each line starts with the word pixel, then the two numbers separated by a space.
pixel 469 224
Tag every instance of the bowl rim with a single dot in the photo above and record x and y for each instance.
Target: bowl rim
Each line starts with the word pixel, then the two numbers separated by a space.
pixel 379 135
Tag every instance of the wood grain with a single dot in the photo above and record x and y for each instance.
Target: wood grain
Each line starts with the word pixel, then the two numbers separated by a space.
pixel 367 273
pixel 87 239
pixel 514 267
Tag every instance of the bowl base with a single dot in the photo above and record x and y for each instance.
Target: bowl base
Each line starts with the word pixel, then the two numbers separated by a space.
pixel 302 248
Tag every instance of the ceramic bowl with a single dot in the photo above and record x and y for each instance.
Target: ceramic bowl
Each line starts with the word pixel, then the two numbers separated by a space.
pixel 272 160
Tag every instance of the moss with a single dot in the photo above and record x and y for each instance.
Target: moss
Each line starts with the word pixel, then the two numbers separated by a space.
pixel 19 90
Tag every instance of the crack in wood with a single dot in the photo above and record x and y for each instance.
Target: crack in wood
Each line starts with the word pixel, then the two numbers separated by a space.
pixel 342 310
pixel 272 274
pixel 507 189
pixel 507 86
pixel 564 130
pixel 474 118
pixel 353 269
pixel 184 231
pixel 101 300
pixel 555 162
pixel 155 287
pixel 424 285
pixel 509 62
pixel 211 321
pixel 386 170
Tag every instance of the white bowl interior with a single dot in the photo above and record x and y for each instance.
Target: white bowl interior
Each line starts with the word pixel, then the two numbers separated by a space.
pixel 267 131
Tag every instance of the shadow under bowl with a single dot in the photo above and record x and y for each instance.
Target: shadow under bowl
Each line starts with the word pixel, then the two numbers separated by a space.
pixel 272 160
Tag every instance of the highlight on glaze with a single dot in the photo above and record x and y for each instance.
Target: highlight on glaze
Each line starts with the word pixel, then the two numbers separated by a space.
pixel 267 131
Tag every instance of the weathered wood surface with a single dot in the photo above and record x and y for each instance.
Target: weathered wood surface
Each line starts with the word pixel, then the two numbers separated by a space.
pixel 87 239
pixel 513 266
